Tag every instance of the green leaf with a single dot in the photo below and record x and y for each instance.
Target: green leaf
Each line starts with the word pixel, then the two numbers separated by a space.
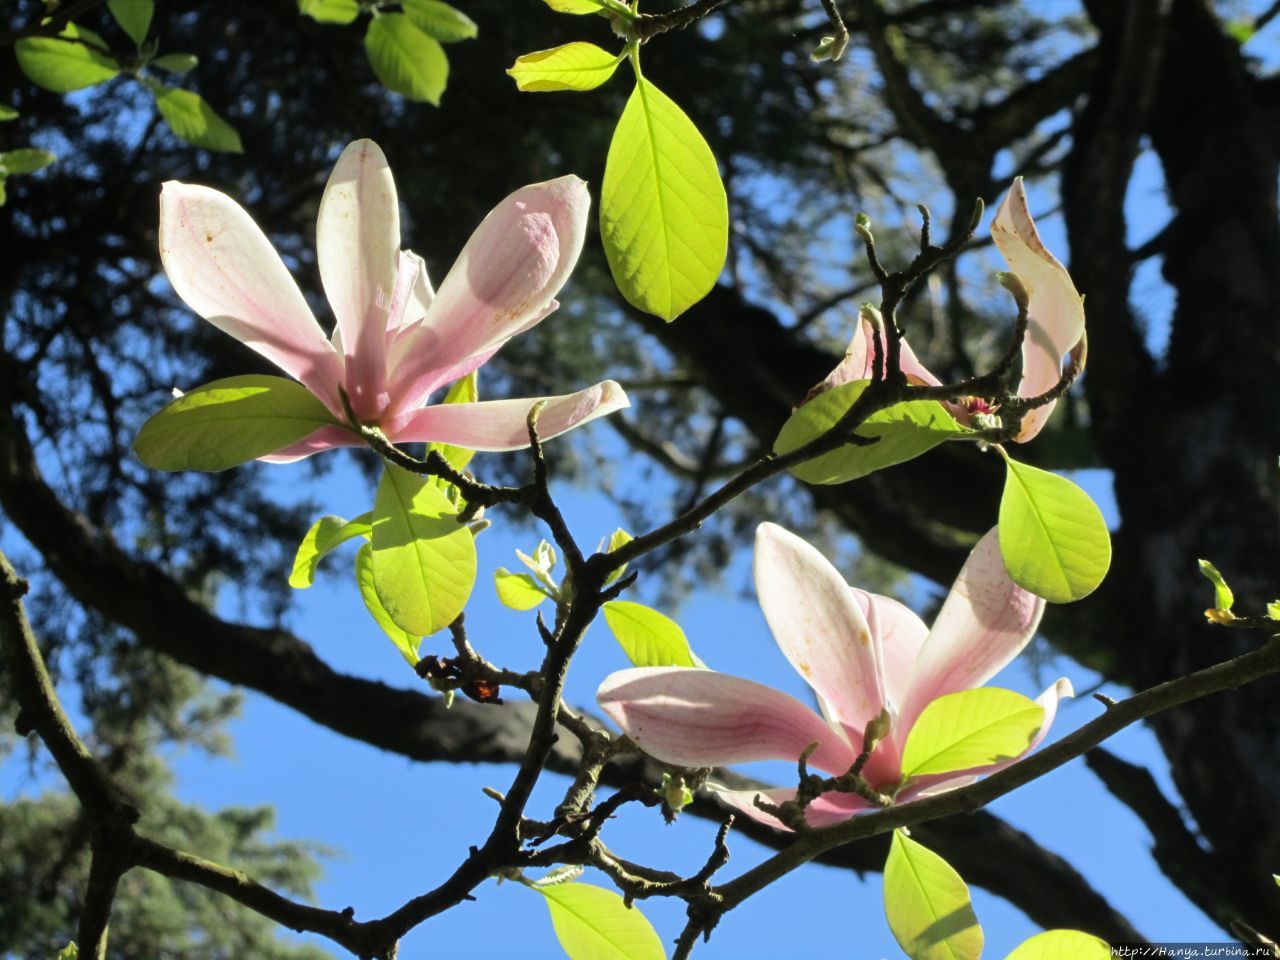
pixel 1273 611
pixel 519 591
pixel 134 17
pixel 330 11
pixel 176 63
pixel 25 160
pixel 903 432
pixel 192 119
pixel 617 539
pixel 465 390
pixel 424 560
pixel 1223 598
pixel 647 637
pixel 971 728
pixel 664 217
pixel 405 60
pixel 69 952
pixel 927 904
pixel 1061 945
pixel 229 422
pixel 3 195
pixel 7 113
pixel 1241 31
pixel 405 642
pixel 1052 536
pixel 325 535
pixel 577 6
pixel 75 59
pixel 447 24
pixel 574 66
pixel 592 923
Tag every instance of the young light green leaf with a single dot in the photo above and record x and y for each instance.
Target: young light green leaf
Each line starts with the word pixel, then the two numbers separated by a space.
pixel 577 6
pixel 193 120
pixel 904 431
pixel 1061 945
pixel 1273 611
pixel 24 160
pixel 592 923
pixel 330 11
pixel 617 539
pixel 75 59
pixel 3 195
pixel 1052 535
pixel 465 390
pixel 927 904
pixel 647 637
pixel 447 24
pixel 405 642
pixel 229 422
pixel 664 217
pixel 573 66
pixel 1223 598
pixel 8 113
pixel 424 560
pixel 134 17
pixel 325 535
pixel 405 60
pixel 519 591
pixel 971 728
pixel 176 63
pixel 69 952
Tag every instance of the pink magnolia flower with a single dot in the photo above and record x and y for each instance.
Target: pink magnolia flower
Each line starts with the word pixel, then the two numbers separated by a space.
pixel 1055 317
pixel 396 340
pixel 861 653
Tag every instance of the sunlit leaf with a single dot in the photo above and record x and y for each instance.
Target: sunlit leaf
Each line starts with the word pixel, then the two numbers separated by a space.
pixel 1061 945
pixel 3 195
pixel 592 923
pixel 75 59
pixel 325 536
pixel 176 63
pixel 1052 535
pixel 69 952
pixel 577 6
pixel 1223 598
pixel 519 591
pixel 664 218
pixel 1273 609
pixel 192 119
pixel 927 904
pixel 616 540
pixel 464 390
pixel 330 11
pixel 647 637
pixel 404 641
pixel 902 432
pixel 24 160
pixel 574 66
pixel 447 24
pixel 230 422
pixel 971 728
pixel 405 60
pixel 8 113
pixel 424 560
pixel 134 17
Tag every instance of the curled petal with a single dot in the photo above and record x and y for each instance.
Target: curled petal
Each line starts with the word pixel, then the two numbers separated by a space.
pixel 504 280
pixel 827 809
pixel 818 624
pixel 357 247
pixel 503 424
pixel 226 270
pixel 984 623
pixel 859 362
pixel 423 292
pixel 901 634
pixel 700 718
pixel 1055 312
pixel 326 438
